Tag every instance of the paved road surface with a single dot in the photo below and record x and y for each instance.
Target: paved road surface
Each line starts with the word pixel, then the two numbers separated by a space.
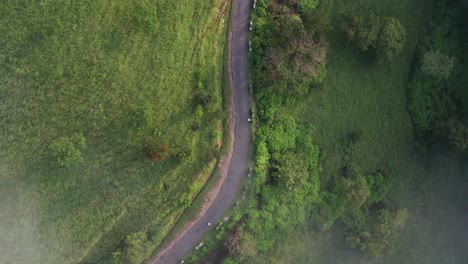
pixel 238 167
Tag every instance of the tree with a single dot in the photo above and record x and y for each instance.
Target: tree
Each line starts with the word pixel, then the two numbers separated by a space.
pixel 379 236
pixel 285 27
pixel 379 186
pixel 240 244
pixel 363 33
pixel 316 24
pixel 384 36
pixel 437 64
pixel 67 151
pixel 302 61
pixel 391 40
pixel 356 191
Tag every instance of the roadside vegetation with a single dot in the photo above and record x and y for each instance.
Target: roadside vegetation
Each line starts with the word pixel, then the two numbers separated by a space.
pixel 357 161
pixel 111 122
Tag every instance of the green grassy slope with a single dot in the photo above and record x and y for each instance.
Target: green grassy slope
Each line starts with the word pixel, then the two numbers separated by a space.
pixel 128 76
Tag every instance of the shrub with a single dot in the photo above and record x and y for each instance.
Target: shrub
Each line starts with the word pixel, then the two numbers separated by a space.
pixel 379 186
pixel 67 151
pixel 156 152
pixel 134 250
pixel 356 136
pixel 306 5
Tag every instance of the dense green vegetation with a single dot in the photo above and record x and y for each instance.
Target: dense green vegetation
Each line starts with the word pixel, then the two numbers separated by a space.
pixel 384 36
pixel 338 160
pixel 438 79
pixel 99 143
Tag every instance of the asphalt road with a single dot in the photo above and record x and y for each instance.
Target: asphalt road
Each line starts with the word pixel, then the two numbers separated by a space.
pixel 238 166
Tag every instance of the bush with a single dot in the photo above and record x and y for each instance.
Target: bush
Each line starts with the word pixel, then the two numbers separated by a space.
pixel 306 5
pixel 135 249
pixel 379 186
pixel 157 152
pixel 67 151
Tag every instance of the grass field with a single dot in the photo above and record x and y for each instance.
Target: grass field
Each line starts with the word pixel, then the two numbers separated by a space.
pixel 359 94
pixel 127 77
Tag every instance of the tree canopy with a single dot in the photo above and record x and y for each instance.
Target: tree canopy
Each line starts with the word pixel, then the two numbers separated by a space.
pixel 383 36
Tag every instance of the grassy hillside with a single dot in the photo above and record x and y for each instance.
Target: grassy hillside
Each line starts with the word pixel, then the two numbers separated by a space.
pixel 110 111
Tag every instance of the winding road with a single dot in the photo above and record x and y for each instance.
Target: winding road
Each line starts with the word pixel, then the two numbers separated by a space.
pixel 238 165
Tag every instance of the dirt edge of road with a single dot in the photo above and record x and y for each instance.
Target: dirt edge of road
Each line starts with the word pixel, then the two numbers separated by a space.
pixel 223 164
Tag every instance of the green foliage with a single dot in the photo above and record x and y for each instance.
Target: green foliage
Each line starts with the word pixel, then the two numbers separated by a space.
pixel 437 64
pixel 330 207
pixel 290 51
pixel 422 92
pixel 292 171
pixel 384 36
pixel 348 198
pixel 364 33
pixel 306 5
pixel 379 186
pixel 67 151
pixel 135 249
pixel 281 134
pixel 230 261
pixel 262 161
pixel 429 95
pixel 316 23
pixel 241 244
pixel 356 191
pixel 286 27
pixel 198 117
pixel 391 40
pixel 358 96
pixel 379 237
pixel 282 165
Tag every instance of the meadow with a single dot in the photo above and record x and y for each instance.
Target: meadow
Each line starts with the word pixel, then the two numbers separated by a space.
pixel 111 122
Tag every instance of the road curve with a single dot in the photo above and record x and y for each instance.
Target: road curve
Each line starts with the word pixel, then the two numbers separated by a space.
pixel 238 165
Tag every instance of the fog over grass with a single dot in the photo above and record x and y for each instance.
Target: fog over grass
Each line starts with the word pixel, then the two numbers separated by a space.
pixel 19 241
